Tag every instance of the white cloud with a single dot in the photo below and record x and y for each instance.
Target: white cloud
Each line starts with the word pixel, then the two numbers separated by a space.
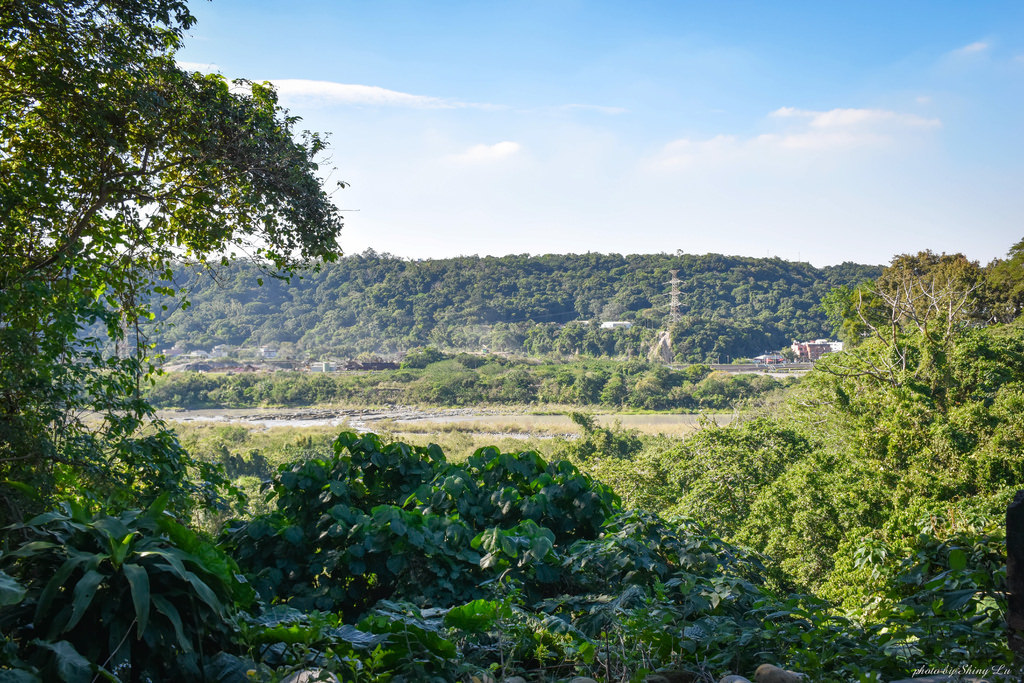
pixel 595 107
pixel 835 130
pixel 488 153
pixel 198 66
pixel 328 92
pixel 684 152
pixel 848 118
pixel 817 140
pixel 973 48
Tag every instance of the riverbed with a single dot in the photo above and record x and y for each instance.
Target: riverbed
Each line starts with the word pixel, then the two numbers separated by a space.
pixel 397 418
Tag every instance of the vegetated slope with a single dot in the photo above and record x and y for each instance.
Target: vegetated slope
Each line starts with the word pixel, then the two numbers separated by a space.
pixel 377 303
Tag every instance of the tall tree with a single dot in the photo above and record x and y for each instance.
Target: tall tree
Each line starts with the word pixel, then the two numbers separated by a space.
pixel 114 163
pixel 1005 282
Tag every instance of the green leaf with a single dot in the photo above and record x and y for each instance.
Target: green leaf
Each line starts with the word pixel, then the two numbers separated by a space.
pixel 293 535
pixel 165 607
pixel 17 676
pixel 205 593
pixel 85 591
pixel 954 600
pixel 55 584
pixel 119 549
pixel 78 512
pixel 173 557
pixel 395 563
pixel 158 506
pixel 138 581
pixel 475 616
pixel 46 518
pixel 25 489
pixel 32 548
pixel 957 559
pixel 509 546
pixel 541 546
pixel 11 592
pixel 71 666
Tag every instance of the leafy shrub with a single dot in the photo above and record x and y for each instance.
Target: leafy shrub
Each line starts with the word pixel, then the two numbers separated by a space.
pixel 164 597
pixel 398 522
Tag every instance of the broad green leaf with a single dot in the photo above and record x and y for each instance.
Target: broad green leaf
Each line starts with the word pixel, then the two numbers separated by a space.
pixel 25 490
pixel 509 546
pixel 57 582
pixel 78 512
pixel 157 507
pixel 955 600
pixel 396 563
pixel 205 593
pixel 957 559
pixel 165 607
pixel 357 638
pixel 138 581
pixel 541 546
pixel 475 616
pixel 17 676
pixel 11 592
pixel 119 549
pixel 85 591
pixel 173 557
pixel 46 518
pixel 71 666
pixel 32 548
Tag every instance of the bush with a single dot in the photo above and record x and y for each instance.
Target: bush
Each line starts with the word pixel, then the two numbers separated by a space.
pixel 164 597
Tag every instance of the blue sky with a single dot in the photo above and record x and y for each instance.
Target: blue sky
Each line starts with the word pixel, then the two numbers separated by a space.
pixel 814 131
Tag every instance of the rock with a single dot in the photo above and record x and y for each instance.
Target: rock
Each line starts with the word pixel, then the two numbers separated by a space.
pixel 733 678
pixel 514 679
pixel 769 673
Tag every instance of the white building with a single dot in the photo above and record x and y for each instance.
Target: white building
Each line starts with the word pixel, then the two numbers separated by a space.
pixel 616 324
pixel 221 350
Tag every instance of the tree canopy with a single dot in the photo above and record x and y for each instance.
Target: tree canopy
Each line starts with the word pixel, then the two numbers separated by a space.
pixel 730 306
pixel 114 162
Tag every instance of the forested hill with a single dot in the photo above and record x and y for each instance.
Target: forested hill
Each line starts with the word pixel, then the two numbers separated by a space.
pixel 375 303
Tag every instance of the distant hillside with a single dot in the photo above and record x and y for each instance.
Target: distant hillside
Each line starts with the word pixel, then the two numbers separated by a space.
pixel 375 303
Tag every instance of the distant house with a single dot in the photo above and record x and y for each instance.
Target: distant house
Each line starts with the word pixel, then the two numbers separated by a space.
pixel 173 351
pixel 322 366
pixel 769 359
pixel 813 350
pixel 616 325
pixel 268 352
pixel 221 350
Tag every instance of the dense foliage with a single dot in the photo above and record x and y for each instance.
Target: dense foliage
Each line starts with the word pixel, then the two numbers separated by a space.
pixel 467 380
pixel 386 562
pixel 881 487
pixel 731 306
pixel 115 165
